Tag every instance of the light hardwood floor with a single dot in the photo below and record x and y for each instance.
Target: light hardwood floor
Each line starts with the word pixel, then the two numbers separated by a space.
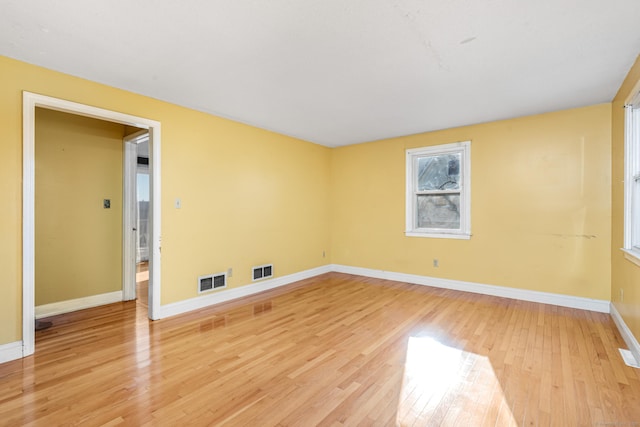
pixel 142 283
pixel 333 350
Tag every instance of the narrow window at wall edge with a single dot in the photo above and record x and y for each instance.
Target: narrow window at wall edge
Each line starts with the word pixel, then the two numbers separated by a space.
pixel 438 191
pixel 632 179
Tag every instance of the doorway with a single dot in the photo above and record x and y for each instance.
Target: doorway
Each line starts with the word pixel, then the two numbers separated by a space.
pixel 137 233
pixel 30 102
pixel 142 201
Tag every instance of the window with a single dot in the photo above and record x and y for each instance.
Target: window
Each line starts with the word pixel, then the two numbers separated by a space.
pixel 438 191
pixel 632 180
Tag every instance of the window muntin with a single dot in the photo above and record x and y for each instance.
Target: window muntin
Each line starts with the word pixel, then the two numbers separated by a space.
pixel 438 187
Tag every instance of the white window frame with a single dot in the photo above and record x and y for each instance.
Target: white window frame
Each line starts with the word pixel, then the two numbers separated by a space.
pixel 632 180
pixel 464 232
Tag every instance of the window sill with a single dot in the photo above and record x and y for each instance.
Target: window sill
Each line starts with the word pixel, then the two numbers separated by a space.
pixel 438 235
pixel 632 255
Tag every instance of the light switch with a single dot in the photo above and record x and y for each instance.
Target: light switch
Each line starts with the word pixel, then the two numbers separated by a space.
pixel 178 203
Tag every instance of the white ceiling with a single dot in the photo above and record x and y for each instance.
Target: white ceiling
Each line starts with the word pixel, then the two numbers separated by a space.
pixel 338 72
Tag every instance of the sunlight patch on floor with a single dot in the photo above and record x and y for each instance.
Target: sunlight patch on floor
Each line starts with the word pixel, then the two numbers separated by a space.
pixel 440 380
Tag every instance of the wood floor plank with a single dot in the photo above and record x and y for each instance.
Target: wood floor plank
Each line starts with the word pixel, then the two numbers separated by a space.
pixel 334 350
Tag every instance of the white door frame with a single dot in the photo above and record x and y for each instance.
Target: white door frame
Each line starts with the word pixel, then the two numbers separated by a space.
pixel 29 103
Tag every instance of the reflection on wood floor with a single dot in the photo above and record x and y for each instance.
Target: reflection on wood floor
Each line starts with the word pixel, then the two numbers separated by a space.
pixel 333 350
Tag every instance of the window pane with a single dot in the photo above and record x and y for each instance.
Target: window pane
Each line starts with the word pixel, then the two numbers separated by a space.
pixel 635 215
pixel 439 211
pixel 441 172
pixel 142 189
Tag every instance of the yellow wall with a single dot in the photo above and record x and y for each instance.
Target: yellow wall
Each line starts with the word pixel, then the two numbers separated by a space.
pixel 540 205
pixel 78 163
pixel 249 196
pixel 624 274
pixel 255 198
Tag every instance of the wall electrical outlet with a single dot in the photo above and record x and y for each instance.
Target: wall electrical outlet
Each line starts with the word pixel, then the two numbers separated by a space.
pixel 230 272
pixel 436 263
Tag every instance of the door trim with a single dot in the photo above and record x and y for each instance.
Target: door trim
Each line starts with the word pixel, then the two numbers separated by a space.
pixel 29 103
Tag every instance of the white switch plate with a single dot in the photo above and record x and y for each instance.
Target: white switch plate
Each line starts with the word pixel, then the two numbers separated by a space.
pixel 178 203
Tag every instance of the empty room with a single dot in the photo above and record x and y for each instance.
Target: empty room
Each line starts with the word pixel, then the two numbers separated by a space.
pixel 368 213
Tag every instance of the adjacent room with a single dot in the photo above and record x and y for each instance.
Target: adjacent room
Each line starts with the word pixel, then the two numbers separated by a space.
pixel 321 213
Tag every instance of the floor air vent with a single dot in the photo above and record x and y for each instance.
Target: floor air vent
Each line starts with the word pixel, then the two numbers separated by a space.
pixel 262 272
pixel 211 282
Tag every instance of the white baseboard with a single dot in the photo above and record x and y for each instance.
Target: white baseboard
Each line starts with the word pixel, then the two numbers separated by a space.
pixel 217 297
pixel 627 335
pixel 601 306
pixel 10 351
pixel 68 306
